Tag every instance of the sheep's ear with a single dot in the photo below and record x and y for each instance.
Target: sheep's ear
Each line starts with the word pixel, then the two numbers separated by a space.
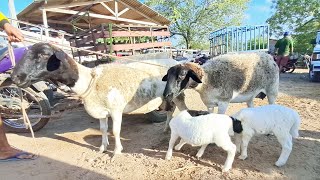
pixel 55 61
pixel 165 77
pixel 194 76
pixel 60 55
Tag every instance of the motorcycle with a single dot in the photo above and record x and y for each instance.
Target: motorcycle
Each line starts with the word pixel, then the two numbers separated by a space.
pixel 33 98
pixel 290 66
pixel 201 59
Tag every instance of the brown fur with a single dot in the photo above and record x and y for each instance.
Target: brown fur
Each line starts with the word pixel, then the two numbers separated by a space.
pixel 196 68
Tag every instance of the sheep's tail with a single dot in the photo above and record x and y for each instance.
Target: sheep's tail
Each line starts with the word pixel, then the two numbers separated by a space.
pixel 294 131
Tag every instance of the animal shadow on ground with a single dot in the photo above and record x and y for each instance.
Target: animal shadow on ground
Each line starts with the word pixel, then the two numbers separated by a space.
pixel 46 168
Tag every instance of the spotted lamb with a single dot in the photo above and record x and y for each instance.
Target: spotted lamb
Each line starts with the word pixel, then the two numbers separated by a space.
pixel 281 121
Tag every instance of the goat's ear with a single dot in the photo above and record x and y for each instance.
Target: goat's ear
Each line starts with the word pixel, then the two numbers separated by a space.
pixel 194 76
pixel 54 61
pixel 165 77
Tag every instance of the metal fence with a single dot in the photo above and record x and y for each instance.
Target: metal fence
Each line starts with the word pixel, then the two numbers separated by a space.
pixel 241 38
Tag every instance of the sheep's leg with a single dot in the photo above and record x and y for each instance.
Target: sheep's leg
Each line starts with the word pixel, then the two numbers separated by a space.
pixel 244 146
pixel 169 117
pixel 225 143
pixel 250 103
pixel 117 120
pixel 222 107
pixel 286 143
pixel 211 109
pixel 238 138
pixel 272 94
pixel 272 99
pixel 173 138
pixel 201 151
pixel 179 101
pixel 179 146
pixel 104 130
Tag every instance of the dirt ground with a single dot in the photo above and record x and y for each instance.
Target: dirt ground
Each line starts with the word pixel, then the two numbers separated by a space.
pixel 68 146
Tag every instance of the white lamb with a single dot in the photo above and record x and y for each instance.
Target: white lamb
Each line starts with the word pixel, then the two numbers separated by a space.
pixel 283 122
pixel 201 131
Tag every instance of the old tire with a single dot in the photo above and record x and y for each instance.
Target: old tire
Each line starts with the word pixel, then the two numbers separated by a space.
pixel 157 116
pixel 43 104
pixel 292 69
pixel 313 77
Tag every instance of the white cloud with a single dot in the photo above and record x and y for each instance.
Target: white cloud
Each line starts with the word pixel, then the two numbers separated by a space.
pixel 247 16
pixel 263 8
pixel 269 1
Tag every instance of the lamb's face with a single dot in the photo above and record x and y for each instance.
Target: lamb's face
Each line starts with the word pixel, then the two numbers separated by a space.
pixel 178 79
pixel 44 62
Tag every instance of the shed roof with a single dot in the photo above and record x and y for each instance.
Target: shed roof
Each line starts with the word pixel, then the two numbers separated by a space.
pixel 61 12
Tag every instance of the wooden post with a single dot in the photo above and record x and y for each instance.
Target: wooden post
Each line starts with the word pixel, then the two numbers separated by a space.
pixel 45 22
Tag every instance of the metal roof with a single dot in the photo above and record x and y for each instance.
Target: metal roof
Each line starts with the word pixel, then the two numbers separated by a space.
pixel 101 11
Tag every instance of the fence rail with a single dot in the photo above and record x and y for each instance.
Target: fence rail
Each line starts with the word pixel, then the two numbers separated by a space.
pixel 238 39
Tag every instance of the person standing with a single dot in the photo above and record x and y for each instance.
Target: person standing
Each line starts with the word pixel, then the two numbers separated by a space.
pixel 283 49
pixel 7 152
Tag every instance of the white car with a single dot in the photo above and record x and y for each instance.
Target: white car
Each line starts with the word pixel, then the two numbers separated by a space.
pixel 314 65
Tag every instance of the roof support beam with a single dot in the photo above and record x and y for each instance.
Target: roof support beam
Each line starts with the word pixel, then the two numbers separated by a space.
pixel 100 16
pixel 116 8
pixel 109 9
pixel 69 5
pixel 133 8
pixel 122 12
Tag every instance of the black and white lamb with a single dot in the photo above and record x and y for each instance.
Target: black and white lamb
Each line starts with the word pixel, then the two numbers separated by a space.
pixel 201 131
pixel 230 78
pixel 281 121
pixel 107 90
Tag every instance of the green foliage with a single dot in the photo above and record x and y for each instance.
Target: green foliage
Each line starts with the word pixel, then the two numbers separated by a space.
pixel 300 16
pixel 195 19
pixel 260 43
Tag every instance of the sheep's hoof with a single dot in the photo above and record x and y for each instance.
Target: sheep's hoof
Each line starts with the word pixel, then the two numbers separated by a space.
pixel 242 157
pixel 113 158
pixel 279 164
pixel 225 169
pixel 199 155
pixel 117 151
pixel 102 149
pixel 168 157
pixel 177 148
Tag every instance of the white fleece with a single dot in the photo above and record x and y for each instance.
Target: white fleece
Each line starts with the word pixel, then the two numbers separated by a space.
pixel 200 131
pixel 281 121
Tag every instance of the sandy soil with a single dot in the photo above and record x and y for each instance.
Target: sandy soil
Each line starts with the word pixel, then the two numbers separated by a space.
pixel 68 146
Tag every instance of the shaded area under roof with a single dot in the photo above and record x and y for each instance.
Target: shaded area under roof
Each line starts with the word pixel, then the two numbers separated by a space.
pixel 60 13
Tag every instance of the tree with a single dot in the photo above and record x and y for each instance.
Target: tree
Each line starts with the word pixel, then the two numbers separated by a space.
pixel 195 19
pixel 300 16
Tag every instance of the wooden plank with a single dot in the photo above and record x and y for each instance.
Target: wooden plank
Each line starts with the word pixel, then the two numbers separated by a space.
pixel 133 33
pixel 74 4
pixel 100 16
pixel 119 47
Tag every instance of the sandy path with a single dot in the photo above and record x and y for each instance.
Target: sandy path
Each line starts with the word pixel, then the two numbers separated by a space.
pixel 68 146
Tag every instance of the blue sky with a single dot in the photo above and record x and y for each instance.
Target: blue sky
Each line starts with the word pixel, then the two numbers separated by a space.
pixel 258 10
